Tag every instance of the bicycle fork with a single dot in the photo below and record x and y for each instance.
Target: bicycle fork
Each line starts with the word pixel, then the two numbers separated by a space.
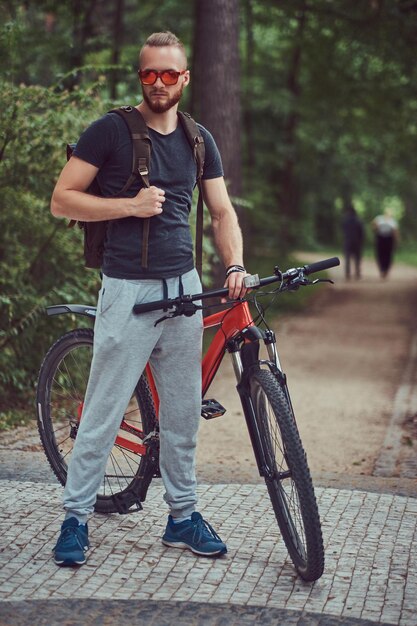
pixel 244 350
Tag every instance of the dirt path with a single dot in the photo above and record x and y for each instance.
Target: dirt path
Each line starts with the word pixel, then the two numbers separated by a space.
pixel 345 359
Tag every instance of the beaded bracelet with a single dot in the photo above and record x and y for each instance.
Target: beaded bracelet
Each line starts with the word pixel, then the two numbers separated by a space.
pixel 234 268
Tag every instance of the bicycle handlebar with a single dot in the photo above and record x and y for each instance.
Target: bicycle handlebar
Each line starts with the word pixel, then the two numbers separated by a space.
pixel 289 275
pixel 319 266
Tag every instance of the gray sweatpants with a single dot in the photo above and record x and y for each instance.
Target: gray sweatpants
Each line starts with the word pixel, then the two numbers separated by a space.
pixel 123 344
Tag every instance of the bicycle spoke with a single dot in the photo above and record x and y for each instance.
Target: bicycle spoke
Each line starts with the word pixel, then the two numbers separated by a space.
pixel 289 491
pixel 69 378
pixel 61 391
pixel 287 476
pixel 115 463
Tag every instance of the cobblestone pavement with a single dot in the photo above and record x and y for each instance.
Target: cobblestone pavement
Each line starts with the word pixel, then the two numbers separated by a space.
pixel 370 574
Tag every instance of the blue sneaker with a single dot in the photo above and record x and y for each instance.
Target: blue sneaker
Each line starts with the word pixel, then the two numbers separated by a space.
pixel 196 535
pixel 72 543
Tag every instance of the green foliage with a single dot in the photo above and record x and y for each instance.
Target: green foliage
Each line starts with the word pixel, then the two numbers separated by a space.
pixel 14 417
pixel 331 102
pixel 40 259
pixel 406 254
pixel 329 117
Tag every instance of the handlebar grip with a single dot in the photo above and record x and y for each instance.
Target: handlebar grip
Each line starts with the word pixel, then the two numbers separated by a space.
pixel 321 265
pixel 153 306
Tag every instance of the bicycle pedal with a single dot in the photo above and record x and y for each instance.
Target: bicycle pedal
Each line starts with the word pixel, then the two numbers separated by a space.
pixel 211 409
pixel 127 502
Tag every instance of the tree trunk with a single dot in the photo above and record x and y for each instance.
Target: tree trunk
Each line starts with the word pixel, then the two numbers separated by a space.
pixel 83 30
pixel 288 187
pixel 249 61
pixel 216 81
pixel 216 90
pixel 116 45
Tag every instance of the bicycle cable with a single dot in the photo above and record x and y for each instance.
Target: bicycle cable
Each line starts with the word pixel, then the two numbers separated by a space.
pixel 260 319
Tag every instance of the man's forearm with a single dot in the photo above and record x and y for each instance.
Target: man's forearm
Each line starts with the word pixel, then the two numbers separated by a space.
pixel 78 205
pixel 228 238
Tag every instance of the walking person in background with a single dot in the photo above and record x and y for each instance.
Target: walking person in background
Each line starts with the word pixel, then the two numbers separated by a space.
pixel 353 237
pixel 386 237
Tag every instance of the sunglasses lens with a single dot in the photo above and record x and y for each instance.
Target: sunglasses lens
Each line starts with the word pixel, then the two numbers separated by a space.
pixel 170 77
pixel 148 77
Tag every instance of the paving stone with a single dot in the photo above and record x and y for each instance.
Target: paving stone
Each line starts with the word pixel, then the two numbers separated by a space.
pixel 370 575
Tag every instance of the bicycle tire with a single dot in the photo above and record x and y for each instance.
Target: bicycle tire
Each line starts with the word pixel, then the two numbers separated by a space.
pixel 61 388
pixel 287 475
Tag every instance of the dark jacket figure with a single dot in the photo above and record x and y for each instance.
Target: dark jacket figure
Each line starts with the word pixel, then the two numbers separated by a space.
pixel 386 236
pixel 353 236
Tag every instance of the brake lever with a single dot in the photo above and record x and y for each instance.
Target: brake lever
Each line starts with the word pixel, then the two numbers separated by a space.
pixel 298 282
pixel 167 317
pixel 185 308
pixel 321 280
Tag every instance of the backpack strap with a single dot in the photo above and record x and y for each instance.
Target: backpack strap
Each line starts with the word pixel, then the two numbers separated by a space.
pixel 70 150
pixel 196 142
pixel 141 158
pixel 93 188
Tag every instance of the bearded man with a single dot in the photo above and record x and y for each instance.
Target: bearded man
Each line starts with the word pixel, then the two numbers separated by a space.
pixel 123 342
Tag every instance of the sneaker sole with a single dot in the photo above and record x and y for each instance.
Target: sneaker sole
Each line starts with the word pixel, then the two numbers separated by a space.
pixel 185 546
pixel 69 562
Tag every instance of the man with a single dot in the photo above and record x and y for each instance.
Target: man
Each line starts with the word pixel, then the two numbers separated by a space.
pixel 353 238
pixel 124 343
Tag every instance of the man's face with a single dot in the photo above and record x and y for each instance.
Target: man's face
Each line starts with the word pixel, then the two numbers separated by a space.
pixel 159 97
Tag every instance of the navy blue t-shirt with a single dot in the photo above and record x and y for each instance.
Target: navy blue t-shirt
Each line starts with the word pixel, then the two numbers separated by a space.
pixel 107 145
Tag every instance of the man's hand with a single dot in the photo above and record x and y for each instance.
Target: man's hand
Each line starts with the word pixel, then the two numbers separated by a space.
pixel 148 202
pixel 234 282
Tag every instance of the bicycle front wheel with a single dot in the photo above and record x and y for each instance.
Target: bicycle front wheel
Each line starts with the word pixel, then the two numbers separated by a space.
pixel 287 475
pixel 61 390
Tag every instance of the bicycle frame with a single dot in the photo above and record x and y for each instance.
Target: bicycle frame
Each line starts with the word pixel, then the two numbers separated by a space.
pixel 230 322
pixel 236 327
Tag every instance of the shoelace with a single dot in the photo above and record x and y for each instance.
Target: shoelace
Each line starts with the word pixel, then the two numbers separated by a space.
pixel 202 527
pixel 68 535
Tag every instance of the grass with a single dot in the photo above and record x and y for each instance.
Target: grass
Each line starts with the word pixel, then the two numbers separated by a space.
pixel 14 418
pixel 406 254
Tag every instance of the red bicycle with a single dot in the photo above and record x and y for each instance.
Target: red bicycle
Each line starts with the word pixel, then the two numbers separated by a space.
pixel 263 392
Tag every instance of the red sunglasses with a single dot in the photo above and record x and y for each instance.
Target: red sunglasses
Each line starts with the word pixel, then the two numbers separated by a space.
pixel 168 77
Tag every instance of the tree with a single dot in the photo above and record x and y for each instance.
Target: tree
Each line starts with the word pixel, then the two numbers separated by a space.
pixel 116 46
pixel 331 99
pixel 216 81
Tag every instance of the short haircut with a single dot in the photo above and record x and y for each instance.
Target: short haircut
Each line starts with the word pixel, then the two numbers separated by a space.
pixel 166 38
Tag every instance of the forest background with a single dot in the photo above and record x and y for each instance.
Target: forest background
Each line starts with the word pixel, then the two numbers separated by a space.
pixel 313 104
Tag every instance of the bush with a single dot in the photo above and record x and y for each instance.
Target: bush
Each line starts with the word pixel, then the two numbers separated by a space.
pixel 40 258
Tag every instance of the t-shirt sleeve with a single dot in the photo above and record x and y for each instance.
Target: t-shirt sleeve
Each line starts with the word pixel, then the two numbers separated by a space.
pixel 97 142
pixel 213 167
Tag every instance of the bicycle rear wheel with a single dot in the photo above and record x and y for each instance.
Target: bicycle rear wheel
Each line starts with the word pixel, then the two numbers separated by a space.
pixel 61 389
pixel 287 475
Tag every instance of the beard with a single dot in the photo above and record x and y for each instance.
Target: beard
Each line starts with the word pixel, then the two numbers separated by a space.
pixel 161 106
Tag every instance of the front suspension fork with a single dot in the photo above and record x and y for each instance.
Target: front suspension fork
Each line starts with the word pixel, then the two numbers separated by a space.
pixel 245 359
